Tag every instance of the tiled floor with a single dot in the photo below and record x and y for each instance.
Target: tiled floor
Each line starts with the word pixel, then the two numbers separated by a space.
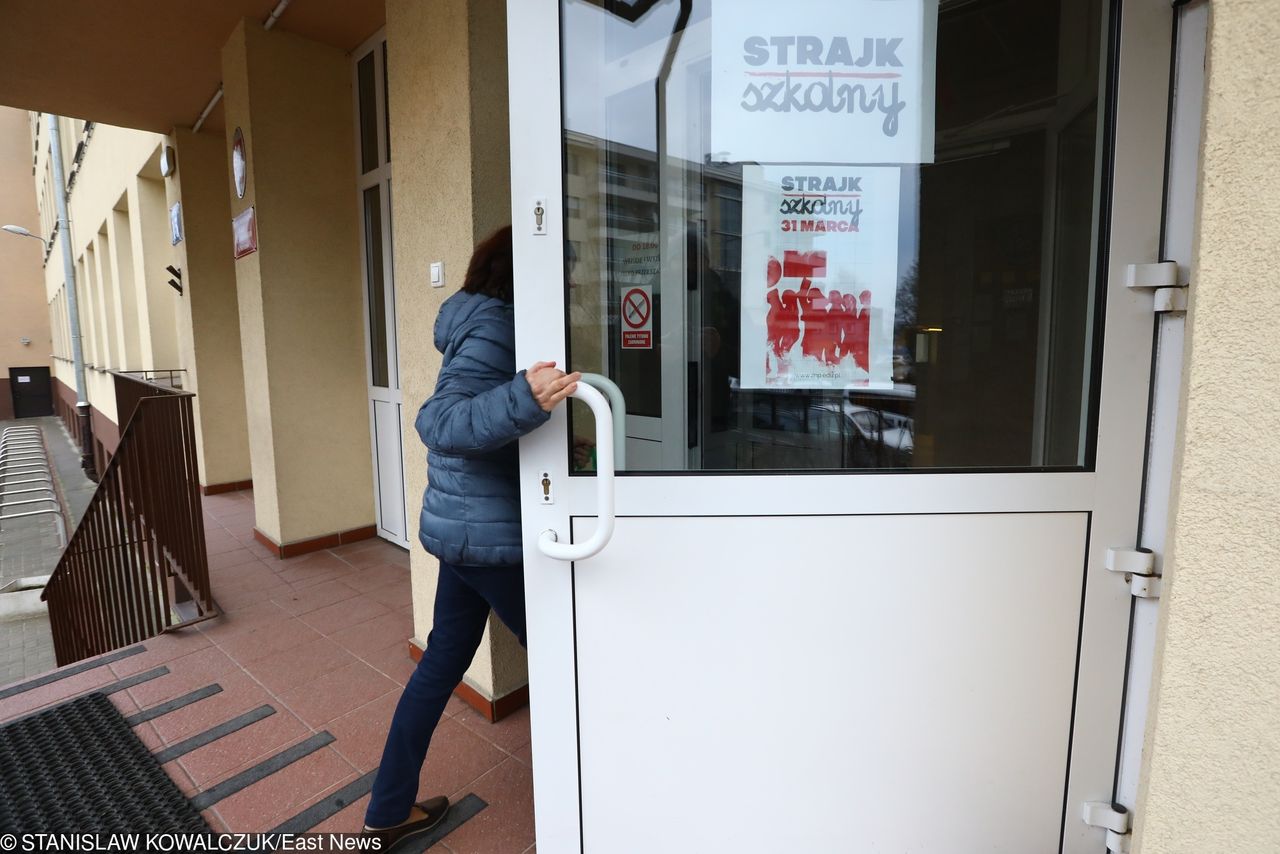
pixel 321 639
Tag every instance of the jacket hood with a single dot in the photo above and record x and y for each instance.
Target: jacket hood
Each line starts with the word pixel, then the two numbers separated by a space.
pixel 460 309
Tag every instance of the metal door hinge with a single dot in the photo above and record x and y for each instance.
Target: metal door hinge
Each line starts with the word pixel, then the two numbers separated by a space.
pixel 1115 820
pixel 1162 279
pixel 1139 569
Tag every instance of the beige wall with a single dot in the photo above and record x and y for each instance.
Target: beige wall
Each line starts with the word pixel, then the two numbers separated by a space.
pixel 450 162
pixel 120 245
pixel 300 295
pixel 23 310
pixel 1212 759
pixel 209 327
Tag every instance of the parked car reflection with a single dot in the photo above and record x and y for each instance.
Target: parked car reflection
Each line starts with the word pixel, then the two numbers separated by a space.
pixel 816 430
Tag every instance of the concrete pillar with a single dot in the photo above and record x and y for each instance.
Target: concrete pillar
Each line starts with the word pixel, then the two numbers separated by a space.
pixel 150 250
pixel 121 243
pixel 450 162
pixel 108 317
pixel 1210 780
pixel 300 294
pixel 208 313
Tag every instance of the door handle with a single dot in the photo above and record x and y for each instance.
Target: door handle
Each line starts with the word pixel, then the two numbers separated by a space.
pixel 548 541
pixel 618 404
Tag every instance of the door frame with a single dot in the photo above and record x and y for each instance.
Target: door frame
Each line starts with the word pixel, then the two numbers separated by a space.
pixel 1132 177
pixel 380 177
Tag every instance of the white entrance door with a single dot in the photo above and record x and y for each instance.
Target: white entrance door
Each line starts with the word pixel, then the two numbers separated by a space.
pixel 373 195
pixel 855 596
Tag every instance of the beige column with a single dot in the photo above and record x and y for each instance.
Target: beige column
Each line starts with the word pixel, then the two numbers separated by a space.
pixel 108 314
pixel 300 294
pixel 150 250
pixel 1213 741
pixel 208 313
pixel 450 158
pixel 121 242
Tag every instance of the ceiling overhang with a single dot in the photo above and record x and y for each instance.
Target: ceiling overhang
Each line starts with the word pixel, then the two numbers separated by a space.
pixel 147 64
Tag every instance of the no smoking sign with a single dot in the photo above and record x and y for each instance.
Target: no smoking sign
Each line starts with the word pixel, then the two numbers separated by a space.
pixel 637 318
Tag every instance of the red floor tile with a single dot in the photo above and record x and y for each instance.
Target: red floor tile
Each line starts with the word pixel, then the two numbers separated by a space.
pixel 510 734
pixel 162 649
pixel 350 819
pixel 299 666
pixel 362 732
pixel 245 747
pixel 377 575
pixel 394 595
pixel 394 663
pixel 373 636
pixel 69 686
pixel 337 692
pixel 456 759
pixel 269 639
pixel 283 794
pixel 191 671
pixel 242 620
pixel 340 615
pixel 239 694
pixel 305 600
pixel 506 825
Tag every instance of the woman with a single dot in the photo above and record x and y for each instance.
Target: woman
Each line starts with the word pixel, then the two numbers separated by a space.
pixel 470 516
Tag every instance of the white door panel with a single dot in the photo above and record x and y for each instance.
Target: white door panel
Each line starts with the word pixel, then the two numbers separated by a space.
pixel 828 683
pixel 929 657
pixel 390 470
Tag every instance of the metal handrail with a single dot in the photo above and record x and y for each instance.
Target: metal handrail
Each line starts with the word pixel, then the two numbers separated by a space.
pixel 139 551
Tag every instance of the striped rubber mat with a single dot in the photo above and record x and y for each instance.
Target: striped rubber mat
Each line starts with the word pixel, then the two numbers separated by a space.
pixel 78 767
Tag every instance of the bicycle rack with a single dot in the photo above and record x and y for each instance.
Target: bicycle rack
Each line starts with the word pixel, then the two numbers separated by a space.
pixel 24 463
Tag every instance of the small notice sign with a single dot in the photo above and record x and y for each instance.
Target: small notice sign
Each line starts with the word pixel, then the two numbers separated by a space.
pixel 637 318
pixel 175 223
pixel 244 232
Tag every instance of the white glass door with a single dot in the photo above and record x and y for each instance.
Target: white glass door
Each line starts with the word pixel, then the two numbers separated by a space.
pixel 373 186
pixel 846 269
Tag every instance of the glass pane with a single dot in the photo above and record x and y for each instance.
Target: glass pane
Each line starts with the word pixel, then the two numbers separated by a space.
pixel 365 80
pixel 868 247
pixel 377 286
pixel 386 104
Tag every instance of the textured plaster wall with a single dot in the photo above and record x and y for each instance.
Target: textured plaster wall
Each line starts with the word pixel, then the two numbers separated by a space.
pixel 120 244
pixel 451 170
pixel 1212 760
pixel 300 295
pixel 23 308
pixel 209 317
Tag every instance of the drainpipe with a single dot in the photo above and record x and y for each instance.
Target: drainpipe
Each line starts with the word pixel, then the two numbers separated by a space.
pixel 73 310
pixel 217 96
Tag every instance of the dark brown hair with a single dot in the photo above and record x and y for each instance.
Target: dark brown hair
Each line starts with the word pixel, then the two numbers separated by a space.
pixel 491 271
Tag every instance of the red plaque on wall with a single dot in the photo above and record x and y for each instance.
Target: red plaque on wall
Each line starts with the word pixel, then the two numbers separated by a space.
pixel 244 232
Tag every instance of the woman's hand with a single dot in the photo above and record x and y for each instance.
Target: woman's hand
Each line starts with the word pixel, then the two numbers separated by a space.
pixel 549 385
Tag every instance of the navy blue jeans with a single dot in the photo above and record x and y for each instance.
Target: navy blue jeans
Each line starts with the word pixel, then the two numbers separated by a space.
pixel 464 596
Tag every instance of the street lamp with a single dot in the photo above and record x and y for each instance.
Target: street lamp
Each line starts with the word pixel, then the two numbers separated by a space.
pixel 22 232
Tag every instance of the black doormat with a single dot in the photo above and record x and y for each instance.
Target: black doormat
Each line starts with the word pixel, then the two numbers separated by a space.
pixel 79 768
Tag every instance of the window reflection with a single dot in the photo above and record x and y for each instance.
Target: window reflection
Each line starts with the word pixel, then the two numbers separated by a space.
pixel 989 357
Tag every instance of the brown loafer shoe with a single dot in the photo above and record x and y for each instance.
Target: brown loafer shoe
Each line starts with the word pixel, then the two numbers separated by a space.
pixel 435 808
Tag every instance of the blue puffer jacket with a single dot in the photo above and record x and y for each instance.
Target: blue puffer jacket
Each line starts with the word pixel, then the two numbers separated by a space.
pixel 471 509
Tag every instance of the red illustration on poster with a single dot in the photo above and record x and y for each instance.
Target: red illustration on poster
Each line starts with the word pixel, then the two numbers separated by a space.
pixel 819 276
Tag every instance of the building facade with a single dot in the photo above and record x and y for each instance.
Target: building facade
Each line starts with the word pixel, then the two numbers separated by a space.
pixel 24 324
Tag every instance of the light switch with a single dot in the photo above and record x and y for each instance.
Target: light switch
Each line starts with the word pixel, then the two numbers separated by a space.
pixel 437 274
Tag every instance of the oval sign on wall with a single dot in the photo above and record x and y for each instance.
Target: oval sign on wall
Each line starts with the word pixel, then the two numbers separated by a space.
pixel 238 167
